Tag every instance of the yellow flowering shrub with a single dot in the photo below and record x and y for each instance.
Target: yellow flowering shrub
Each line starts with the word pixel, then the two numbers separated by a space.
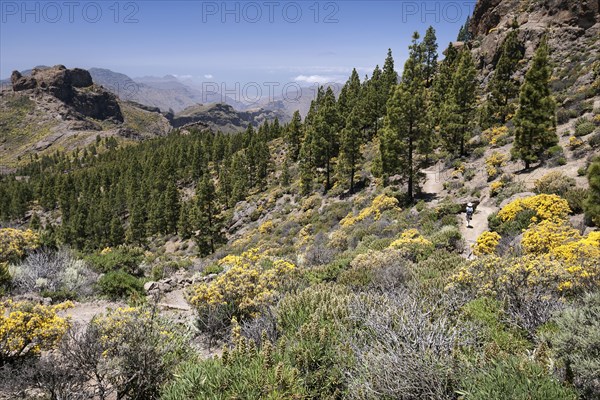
pixel 575 142
pixel 547 235
pixel 115 325
pixel 410 236
pixel 546 206
pixel 459 169
pixel 495 187
pixel 378 205
pixel 486 243
pixel 14 243
pixel 413 244
pixel 106 250
pixel 492 135
pixel 266 227
pixel 493 275
pixel 567 269
pixel 494 163
pixel 578 251
pixel 250 281
pixel 27 328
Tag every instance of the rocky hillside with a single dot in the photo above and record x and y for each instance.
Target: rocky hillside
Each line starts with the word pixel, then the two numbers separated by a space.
pixel 573 29
pixel 61 109
pixel 224 118
pixel 166 93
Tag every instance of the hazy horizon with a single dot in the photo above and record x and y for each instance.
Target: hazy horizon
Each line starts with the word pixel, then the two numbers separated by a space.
pixel 224 42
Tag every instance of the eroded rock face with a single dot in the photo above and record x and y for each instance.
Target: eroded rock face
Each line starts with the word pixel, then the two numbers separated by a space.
pixel 20 82
pixel 488 14
pixel 74 87
pixel 569 24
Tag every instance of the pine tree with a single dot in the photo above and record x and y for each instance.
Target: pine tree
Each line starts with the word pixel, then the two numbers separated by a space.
pixel 349 95
pixel 460 106
pixel 184 223
pixel 405 121
pixel 307 160
pixel 351 139
pixel 503 87
pixel 208 226
pixel 463 34
pixel 294 136
pixel 117 234
pixel 535 120
pixel 430 55
pixel 442 83
pixel 325 142
pixel 389 79
pixel 136 231
pixel 275 131
pixel 171 207
pixel 284 179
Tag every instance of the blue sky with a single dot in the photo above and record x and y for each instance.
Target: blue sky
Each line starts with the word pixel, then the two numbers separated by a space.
pixel 247 41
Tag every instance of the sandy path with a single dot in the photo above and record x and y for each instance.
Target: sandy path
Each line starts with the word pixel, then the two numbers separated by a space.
pixel 82 313
pixel 479 224
pixel 434 183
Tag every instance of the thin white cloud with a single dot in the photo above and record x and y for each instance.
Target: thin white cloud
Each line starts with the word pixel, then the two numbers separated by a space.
pixel 320 79
pixel 208 76
pixel 183 76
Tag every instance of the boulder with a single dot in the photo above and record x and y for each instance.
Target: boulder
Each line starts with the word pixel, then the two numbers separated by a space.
pixel 20 82
pixel 150 286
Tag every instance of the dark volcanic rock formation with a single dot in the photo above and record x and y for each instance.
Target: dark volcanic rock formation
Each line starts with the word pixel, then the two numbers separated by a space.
pixel 74 87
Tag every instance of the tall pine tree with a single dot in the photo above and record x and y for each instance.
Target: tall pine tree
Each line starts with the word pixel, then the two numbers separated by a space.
pixel 405 121
pixel 430 55
pixel 293 136
pixel 535 120
pixel 460 105
pixel 207 224
pixel 503 86
pixel 351 139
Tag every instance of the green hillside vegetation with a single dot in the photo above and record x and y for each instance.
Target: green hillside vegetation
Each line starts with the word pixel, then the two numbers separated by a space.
pixel 318 261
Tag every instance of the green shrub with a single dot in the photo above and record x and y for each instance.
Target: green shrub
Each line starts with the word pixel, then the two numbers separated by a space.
pixel 577 344
pixel 122 257
pixel 513 378
pixel 212 269
pixel 594 141
pixel 119 284
pixel 584 127
pixel 478 152
pixel 576 198
pixel 495 333
pixel 554 183
pixel 563 115
pixel 434 271
pixel 328 272
pixel 510 189
pixel 592 202
pixel 384 269
pixel 447 207
pixel 448 238
pixel 511 228
pixel 243 372
pixel 314 324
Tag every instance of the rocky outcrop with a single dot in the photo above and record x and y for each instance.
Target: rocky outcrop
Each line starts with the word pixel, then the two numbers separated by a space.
pixel 489 14
pixel 222 117
pixel 74 87
pixel 571 25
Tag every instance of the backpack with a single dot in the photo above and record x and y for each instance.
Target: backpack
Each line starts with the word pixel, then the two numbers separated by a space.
pixel 470 210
